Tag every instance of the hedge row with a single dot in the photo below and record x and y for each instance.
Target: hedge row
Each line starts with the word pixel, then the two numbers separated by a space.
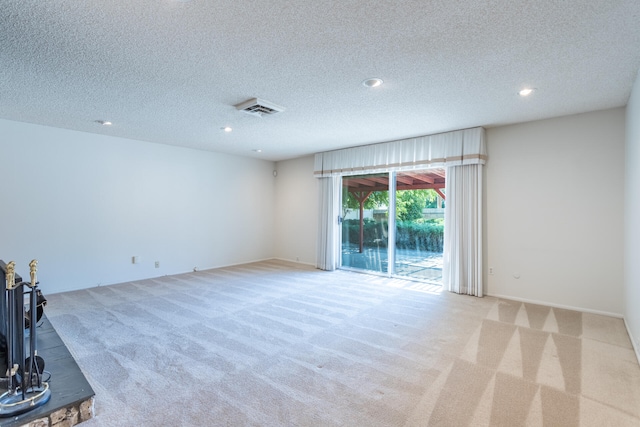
pixel 426 236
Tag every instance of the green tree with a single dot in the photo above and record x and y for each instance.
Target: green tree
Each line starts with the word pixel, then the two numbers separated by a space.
pixel 410 203
pixel 377 199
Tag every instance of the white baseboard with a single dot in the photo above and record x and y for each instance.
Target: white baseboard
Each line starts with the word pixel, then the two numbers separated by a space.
pixel 294 261
pixel 633 341
pixel 222 266
pixel 566 307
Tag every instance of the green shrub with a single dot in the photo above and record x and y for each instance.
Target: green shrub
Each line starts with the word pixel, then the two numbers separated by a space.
pixel 425 235
pixel 375 233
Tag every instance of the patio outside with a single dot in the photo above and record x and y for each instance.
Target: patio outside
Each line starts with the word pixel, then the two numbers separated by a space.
pixel 414 264
pixel 418 212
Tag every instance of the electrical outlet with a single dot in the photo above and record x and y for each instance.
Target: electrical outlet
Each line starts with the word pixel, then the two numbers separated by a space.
pixel 157 264
pixel 491 271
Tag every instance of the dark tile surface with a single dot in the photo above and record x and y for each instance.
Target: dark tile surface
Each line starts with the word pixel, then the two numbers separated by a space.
pixel 68 384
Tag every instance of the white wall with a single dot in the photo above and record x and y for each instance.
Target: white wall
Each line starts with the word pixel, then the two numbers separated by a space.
pixel 554 211
pixel 632 218
pixel 84 204
pixel 296 210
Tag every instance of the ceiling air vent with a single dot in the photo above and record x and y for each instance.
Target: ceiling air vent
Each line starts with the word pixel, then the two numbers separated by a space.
pixel 259 107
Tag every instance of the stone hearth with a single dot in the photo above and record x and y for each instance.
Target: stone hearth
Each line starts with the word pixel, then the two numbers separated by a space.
pixel 71 395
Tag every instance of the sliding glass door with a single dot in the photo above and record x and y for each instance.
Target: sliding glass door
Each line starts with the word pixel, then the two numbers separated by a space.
pixel 393 223
pixel 365 222
pixel 419 224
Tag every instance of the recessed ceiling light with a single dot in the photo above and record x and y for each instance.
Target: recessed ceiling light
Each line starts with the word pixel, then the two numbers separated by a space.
pixel 373 82
pixel 227 129
pixel 104 122
pixel 526 91
pixel 257 150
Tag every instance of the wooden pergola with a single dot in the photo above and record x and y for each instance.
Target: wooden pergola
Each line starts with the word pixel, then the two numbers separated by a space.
pixel 361 187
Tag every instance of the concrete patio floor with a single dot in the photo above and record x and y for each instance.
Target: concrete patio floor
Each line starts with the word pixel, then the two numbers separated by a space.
pixel 413 264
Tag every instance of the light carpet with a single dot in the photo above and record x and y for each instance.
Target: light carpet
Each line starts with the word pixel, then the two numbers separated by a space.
pixel 280 344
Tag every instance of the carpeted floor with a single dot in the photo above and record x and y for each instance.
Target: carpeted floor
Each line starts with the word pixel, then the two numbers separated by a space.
pixel 279 344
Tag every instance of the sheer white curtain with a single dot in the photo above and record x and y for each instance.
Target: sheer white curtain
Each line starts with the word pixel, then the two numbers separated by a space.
pixel 462 267
pixel 328 228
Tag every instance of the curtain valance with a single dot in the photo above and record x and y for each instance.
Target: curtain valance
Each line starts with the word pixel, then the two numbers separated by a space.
pixel 460 147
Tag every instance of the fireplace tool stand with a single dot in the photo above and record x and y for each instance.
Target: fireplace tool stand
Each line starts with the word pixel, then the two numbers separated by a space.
pixel 25 388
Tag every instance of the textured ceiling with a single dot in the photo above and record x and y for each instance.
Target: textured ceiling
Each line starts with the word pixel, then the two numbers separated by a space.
pixel 171 71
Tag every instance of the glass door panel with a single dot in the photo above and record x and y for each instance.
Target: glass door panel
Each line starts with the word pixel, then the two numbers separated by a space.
pixel 365 213
pixel 419 224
